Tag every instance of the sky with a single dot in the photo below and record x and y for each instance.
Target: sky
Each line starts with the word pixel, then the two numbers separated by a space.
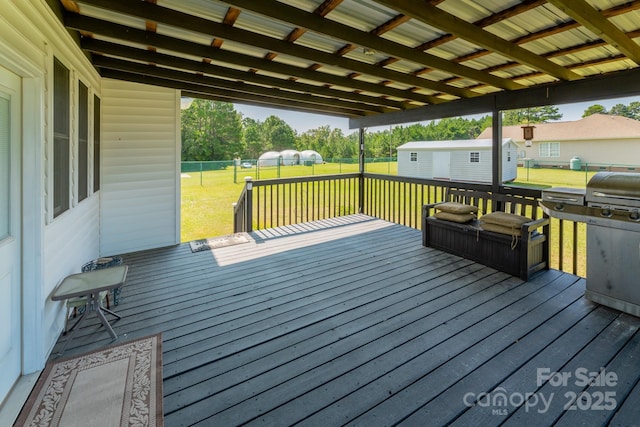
pixel 302 122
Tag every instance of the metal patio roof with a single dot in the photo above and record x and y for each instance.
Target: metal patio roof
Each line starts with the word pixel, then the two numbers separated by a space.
pixel 374 61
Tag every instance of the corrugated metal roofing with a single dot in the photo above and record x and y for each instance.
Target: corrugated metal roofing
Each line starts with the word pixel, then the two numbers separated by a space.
pixel 379 50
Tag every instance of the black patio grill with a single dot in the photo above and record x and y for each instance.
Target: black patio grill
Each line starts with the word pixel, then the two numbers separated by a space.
pixel 610 206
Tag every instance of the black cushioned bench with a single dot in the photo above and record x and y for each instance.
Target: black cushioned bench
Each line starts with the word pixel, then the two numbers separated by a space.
pixel 520 256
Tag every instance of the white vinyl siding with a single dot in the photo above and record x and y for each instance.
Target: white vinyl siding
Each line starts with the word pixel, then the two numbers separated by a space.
pixel 31 37
pixel 463 168
pixel 458 160
pixel 140 172
pixel 509 162
pixel 420 167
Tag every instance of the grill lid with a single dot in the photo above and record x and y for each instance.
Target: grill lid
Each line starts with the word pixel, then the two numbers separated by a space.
pixel 614 188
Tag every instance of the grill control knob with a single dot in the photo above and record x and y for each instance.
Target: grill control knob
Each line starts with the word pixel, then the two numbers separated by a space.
pixel 606 212
pixel 634 215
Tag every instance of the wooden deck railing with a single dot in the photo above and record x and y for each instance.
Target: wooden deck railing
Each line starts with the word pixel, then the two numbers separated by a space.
pixel 243 208
pixel 279 202
pixel 285 201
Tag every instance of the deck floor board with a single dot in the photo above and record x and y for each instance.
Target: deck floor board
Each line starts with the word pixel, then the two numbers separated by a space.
pixel 351 321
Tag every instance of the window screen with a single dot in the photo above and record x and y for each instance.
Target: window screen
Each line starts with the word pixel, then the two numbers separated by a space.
pixel 60 138
pixel 83 141
pixel 549 149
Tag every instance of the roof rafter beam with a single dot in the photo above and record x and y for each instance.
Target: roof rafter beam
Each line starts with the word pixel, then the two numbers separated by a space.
pixel 122 32
pixel 565 26
pixel 230 18
pixel 439 18
pixel 181 76
pixel 327 6
pixel 171 17
pixel 489 20
pixel 322 10
pixel 547 32
pixel 108 48
pixel 570 25
pixel 624 83
pixel 310 21
pixel 592 19
pixel 284 106
pixel 226 95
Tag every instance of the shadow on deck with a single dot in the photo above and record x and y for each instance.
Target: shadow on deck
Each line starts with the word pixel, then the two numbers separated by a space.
pixel 353 321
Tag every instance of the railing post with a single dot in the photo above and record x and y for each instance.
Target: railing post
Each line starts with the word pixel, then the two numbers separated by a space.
pixel 248 205
pixel 234 205
pixel 361 171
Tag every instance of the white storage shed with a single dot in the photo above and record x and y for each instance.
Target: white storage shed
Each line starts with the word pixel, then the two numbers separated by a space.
pixel 459 160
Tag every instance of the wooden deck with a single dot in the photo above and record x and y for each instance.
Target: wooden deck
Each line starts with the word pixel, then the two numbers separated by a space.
pixel 352 321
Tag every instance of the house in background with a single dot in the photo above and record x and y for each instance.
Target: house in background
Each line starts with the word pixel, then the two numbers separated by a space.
pixel 460 160
pixel 599 140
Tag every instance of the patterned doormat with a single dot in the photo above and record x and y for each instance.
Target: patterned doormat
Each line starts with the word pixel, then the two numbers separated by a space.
pixel 219 242
pixel 119 385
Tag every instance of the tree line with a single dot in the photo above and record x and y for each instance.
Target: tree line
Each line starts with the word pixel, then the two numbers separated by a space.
pixel 213 130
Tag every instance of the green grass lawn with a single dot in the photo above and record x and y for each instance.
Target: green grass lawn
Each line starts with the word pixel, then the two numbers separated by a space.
pixel 539 177
pixel 207 199
pixel 545 178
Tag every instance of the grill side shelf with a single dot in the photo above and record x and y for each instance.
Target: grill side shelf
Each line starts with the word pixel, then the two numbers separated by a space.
pixel 590 215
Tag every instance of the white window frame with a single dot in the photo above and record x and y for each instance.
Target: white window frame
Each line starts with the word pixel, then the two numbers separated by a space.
pixel 549 149
pixel 62 143
pixel 6 172
pixel 413 157
pixel 83 122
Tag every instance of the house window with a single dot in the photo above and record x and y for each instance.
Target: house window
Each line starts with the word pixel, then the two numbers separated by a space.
pixel 549 149
pixel 414 157
pixel 83 141
pixel 5 165
pixel 474 157
pixel 96 143
pixel 61 133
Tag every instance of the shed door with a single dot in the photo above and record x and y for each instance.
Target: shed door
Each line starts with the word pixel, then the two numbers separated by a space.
pixel 442 164
pixel 10 229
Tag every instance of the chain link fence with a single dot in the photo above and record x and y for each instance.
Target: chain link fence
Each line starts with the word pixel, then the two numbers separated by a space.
pixel 533 169
pixel 237 170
